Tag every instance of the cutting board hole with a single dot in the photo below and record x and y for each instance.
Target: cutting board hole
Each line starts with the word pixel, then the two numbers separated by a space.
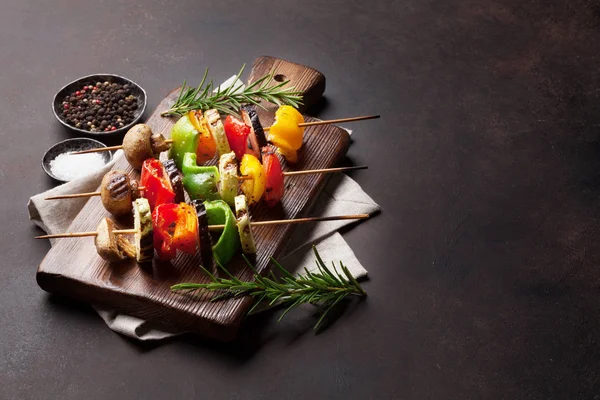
pixel 280 78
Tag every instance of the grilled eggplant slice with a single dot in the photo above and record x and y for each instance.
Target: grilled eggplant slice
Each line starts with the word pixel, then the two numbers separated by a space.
pixel 257 135
pixel 144 240
pixel 242 215
pixel 116 192
pixel 175 179
pixel 228 187
pixel 218 131
pixel 203 233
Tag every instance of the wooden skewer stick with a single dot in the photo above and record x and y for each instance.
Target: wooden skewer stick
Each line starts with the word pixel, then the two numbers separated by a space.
pixel 73 196
pixel 266 129
pixel 83 234
pixel 296 221
pixel 311 171
pixel 240 178
pixel 98 150
pixel 101 149
pixel 324 170
pixel 214 227
pixel 77 195
pixel 332 121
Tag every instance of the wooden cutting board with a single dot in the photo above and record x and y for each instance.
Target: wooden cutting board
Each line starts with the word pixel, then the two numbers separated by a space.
pixel 73 268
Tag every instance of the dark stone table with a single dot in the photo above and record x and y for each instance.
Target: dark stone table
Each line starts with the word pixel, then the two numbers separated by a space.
pixel 484 263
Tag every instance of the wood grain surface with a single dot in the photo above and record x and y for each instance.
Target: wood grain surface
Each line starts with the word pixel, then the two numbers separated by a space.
pixel 73 268
pixel 309 80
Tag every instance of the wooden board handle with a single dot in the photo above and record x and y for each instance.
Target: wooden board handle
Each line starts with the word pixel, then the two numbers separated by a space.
pixel 308 80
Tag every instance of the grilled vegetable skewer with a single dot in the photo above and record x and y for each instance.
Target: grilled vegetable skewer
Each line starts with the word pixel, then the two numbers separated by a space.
pixel 213 227
pixel 142 143
pixel 176 182
pixel 257 181
pixel 112 247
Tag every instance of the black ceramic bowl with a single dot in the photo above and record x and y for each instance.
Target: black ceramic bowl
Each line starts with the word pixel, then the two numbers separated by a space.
pixel 137 91
pixel 71 145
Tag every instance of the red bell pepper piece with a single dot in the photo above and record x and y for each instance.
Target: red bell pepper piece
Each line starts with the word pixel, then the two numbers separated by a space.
pixel 237 135
pixel 274 183
pixel 157 186
pixel 175 228
pixel 186 236
pixel 164 221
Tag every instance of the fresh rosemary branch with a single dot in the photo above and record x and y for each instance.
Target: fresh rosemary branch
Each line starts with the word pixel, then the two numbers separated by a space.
pixel 324 288
pixel 230 99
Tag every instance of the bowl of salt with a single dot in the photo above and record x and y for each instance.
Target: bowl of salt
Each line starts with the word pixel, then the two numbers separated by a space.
pixel 61 165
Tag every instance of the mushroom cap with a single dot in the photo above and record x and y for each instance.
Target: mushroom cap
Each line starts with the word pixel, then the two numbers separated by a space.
pixel 116 192
pixel 137 145
pixel 106 242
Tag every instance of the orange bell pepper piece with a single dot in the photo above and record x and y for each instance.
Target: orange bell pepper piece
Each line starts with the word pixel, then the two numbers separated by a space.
pixel 207 146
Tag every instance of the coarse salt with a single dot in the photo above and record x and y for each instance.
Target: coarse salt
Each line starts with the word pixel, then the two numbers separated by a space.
pixel 67 167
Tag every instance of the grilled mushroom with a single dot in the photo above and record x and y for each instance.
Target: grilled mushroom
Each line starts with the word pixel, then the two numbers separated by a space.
pixel 116 192
pixel 106 242
pixel 137 145
pixel 140 143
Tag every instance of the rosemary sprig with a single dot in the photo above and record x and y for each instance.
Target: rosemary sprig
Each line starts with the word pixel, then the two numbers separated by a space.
pixel 324 288
pixel 230 99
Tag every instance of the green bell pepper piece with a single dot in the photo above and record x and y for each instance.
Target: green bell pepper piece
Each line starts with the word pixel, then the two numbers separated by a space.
pixel 185 140
pixel 219 213
pixel 200 181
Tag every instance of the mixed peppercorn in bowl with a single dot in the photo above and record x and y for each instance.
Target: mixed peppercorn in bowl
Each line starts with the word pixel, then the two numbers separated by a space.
pixel 100 104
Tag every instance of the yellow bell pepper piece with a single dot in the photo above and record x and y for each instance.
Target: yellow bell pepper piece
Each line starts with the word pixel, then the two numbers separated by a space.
pixel 286 127
pixel 284 148
pixel 255 187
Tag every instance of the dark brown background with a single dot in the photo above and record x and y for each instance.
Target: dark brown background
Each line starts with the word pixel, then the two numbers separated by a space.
pixel 483 263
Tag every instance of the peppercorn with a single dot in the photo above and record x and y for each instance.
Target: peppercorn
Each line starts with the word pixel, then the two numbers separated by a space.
pixel 101 107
